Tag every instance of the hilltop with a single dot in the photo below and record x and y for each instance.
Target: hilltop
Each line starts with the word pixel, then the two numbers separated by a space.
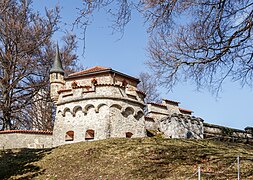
pixel 121 158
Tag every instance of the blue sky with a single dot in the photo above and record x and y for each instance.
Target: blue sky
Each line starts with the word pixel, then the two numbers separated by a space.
pixel 233 107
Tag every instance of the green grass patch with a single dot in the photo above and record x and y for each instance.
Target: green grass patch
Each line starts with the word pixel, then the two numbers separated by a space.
pixel 144 158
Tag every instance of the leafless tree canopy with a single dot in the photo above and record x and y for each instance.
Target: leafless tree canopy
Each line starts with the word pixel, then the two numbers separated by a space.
pixel 39 113
pixel 149 86
pixel 25 59
pixel 215 43
pixel 204 41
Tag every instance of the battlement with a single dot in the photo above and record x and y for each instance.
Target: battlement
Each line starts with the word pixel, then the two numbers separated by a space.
pixel 109 91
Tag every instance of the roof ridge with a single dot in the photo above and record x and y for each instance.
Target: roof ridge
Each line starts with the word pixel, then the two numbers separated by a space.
pixel 89 70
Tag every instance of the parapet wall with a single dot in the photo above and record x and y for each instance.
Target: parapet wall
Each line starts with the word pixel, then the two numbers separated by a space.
pixel 25 139
pixel 212 131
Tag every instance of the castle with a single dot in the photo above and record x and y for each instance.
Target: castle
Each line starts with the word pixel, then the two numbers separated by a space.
pixel 99 103
pixel 96 103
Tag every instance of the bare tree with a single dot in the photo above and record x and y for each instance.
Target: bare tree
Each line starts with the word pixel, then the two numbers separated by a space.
pixel 40 113
pixel 205 41
pixel 25 58
pixel 214 44
pixel 149 86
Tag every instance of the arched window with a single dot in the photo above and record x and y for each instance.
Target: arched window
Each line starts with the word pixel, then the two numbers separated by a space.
pixel 89 135
pixel 129 135
pixel 69 136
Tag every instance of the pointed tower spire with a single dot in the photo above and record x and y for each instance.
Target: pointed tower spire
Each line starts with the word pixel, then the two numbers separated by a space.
pixel 57 66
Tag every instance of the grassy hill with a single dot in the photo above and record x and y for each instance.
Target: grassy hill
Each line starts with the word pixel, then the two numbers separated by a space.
pixel 146 158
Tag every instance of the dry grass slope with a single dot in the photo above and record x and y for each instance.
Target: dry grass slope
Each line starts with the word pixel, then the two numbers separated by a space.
pixel 146 158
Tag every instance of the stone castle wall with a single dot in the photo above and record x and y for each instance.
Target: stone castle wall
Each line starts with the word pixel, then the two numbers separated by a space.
pixel 173 121
pixel 104 103
pixel 172 126
pixel 107 110
pixel 212 131
pixel 103 78
pixel 182 126
pixel 25 139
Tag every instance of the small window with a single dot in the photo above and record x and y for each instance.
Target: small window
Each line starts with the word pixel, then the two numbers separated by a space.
pixel 189 135
pixel 129 135
pixel 89 135
pixel 56 76
pixel 69 136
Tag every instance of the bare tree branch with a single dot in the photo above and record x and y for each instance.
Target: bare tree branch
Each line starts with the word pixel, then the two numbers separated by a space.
pixel 149 86
pixel 203 41
pixel 26 54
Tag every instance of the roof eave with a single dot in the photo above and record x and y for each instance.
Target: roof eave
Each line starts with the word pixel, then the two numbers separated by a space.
pixel 122 74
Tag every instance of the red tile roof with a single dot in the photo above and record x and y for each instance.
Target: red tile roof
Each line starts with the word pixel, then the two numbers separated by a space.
pixel 90 70
pixel 141 92
pixel 162 105
pixel 170 101
pixel 98 70
pixel 185 110
pixel 26 131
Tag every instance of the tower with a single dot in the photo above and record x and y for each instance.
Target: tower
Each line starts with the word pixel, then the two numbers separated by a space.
pixel 56 76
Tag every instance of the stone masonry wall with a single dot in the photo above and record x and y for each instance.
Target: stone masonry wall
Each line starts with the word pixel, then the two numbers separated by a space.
pixel 212 131
pixel 106 117
pixel 25 139
pixel 172 121
pixel 106 109
pixel 181 126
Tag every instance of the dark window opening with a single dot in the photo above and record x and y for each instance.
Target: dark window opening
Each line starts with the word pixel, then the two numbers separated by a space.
pixel 129 135
pixel 124 83
pixel 89 135
pixel 189 135
pixel 94 81
pixel 69 136
pixel 150 133
pixel 56 76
